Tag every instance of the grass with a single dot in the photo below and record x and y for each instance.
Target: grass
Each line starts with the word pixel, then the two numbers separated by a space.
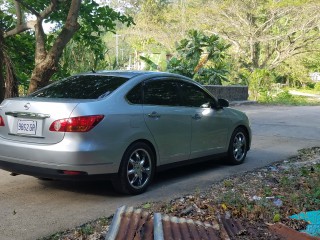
pixel 285 98
pixel 306 90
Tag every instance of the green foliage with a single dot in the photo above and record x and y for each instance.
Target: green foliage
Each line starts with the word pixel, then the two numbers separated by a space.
pixel 96 20
pixel 20 49
pixel 147 205
pixel 312 62
pixel 86 230
pixel 200 57
pixel 276 217
pixel 152 10
pixel 86 51
pixel 78 57
pixel 166 27
pixel 285 98
pixel 260 83
pixel 151 64
pixel 293 73
pixel 181 66
pixel 317 86
pixel 213 75
pixel 21 52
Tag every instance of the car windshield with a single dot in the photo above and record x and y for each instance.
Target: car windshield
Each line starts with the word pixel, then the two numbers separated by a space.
pixel 81 87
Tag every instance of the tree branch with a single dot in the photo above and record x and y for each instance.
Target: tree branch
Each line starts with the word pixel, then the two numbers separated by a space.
pixel 46 12
pixel 20 28
pixel 68 30
pixel 31 9
pixel 18 13
pixel 41 51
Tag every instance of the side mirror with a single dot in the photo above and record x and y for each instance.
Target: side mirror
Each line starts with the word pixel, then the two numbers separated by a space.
pixel 223 103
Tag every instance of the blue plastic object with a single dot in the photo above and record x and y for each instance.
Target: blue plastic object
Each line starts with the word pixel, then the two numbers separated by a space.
pixel 313 218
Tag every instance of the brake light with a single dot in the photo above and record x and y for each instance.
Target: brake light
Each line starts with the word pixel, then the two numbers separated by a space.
pixel 1 122
pixel 76 124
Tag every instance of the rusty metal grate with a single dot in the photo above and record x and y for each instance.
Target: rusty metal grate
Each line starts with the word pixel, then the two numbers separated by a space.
pixel 130 224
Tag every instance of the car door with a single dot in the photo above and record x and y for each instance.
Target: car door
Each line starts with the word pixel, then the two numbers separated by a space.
pixel 209 125
pixel 166 120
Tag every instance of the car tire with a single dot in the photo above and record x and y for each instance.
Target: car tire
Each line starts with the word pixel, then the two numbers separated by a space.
pixel 238 146
pixel 136 169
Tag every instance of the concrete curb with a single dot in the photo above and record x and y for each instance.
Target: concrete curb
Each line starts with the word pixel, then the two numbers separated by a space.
pixel 240 103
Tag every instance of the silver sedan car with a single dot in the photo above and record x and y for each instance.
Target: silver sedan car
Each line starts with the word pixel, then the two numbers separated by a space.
pixel 123 125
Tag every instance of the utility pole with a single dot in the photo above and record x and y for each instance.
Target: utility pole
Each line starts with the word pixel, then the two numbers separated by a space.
pixel 117 49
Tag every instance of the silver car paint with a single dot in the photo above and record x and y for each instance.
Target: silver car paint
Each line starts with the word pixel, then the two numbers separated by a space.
pixel 100 150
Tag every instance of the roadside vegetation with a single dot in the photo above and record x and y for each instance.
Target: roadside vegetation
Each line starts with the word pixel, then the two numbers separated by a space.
pixel 286 98
pixel 265 196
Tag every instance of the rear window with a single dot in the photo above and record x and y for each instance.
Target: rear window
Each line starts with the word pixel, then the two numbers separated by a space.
pixel 81 87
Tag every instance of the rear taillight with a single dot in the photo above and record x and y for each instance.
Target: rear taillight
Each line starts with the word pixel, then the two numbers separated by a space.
pixel 76 124
pixel 1 122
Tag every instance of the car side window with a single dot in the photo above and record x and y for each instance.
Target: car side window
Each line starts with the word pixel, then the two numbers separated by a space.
pixel 135 95
pixel 194 96
pixel 161 92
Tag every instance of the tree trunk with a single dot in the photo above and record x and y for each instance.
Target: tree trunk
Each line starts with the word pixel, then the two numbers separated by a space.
pixel 256 55
pixel 42 73
pixel 2 86
pixel 11 81
pixel 47 61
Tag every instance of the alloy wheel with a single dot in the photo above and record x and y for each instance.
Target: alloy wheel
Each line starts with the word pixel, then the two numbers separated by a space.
pixel 239 146
pixel 139 168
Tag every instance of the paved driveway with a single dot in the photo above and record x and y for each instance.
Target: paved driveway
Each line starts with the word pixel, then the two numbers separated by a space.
pixel 31 208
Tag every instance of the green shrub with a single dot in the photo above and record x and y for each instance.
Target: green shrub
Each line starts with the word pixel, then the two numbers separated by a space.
pixel 317 86
pixel 260 83
pixel 286 98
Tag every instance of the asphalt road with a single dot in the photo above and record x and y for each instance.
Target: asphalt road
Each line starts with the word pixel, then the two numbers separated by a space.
pixel 31 208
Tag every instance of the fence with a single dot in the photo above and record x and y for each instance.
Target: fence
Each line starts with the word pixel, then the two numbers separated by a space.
pixel 231 93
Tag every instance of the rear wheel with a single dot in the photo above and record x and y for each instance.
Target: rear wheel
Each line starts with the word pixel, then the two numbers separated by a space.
pixel 136 169
pixel 238 146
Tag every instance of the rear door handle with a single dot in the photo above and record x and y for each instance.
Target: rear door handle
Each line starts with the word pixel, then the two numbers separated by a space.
pixel 154 115
pixel 196 116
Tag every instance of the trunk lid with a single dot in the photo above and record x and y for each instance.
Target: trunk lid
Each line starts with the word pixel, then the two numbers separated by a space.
pixel 29 119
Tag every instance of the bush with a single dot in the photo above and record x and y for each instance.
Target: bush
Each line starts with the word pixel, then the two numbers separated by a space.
pixel 260 83
pixel 317 86
pixel 286 98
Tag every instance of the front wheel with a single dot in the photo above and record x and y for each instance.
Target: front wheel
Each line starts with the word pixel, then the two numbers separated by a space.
pixel 238 146
pixel 136 169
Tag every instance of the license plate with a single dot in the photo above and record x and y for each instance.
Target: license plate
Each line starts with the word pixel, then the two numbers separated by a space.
pixel 28 127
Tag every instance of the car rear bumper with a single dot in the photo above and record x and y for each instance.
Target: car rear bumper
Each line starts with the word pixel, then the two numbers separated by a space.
pixel 53 159
pixel 51 173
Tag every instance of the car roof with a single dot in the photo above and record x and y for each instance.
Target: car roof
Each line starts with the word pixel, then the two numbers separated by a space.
pixel 128 74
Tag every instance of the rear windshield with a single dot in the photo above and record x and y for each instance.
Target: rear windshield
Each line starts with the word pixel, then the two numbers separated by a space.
pixel 81 87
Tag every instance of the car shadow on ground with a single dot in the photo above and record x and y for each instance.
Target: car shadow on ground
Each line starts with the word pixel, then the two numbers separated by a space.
pixel 179 173
pixel 163 178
